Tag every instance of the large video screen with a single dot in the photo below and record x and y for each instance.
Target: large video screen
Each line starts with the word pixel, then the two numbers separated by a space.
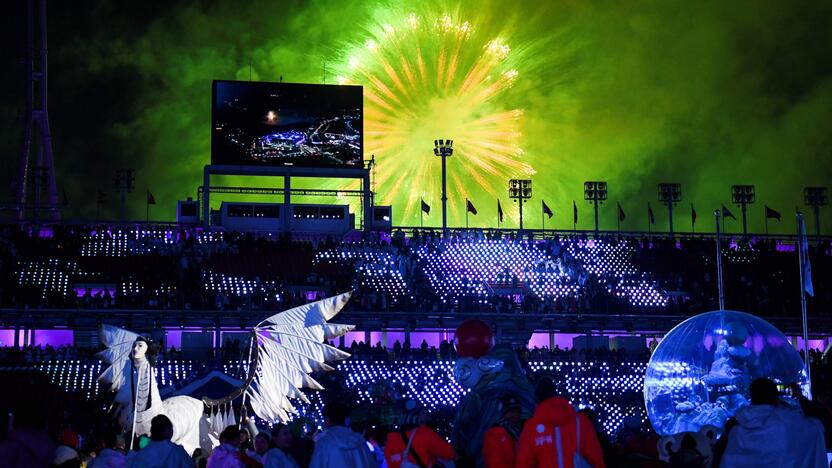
pixel 276 124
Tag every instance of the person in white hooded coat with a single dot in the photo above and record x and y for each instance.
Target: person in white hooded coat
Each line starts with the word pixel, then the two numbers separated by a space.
pixel 278 456
pixel 338 446
pixel 228 454
pixel 161 452
pixel 770 433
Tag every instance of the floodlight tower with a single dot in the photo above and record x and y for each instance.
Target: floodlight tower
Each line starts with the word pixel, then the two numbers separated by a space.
pixel 595 192
pixel 124 182
pixel 444 149
pixel 816 198
pixel 742 196
pixel 520 190
pixel 670 194
pixel 36 168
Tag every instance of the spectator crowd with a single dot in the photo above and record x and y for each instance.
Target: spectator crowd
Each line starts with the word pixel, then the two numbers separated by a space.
pixel 157 267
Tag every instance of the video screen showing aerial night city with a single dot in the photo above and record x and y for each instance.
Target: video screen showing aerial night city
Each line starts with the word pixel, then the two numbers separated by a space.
pixel 277 124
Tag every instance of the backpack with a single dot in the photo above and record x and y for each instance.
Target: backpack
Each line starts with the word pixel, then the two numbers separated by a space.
pixel 577 460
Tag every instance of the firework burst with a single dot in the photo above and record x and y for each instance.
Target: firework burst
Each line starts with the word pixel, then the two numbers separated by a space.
pixel 429 77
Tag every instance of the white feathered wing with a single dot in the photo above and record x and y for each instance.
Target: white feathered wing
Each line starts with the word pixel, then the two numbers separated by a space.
pixel 119 343
pixel 290 346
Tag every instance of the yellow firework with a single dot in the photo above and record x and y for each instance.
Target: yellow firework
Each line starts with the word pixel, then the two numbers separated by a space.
pixel 427 78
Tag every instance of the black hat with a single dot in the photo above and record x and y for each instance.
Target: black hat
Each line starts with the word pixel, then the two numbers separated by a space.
pixel 509 401
pixel 545 389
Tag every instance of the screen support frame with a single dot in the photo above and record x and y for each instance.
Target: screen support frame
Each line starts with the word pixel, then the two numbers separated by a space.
pixel 287 172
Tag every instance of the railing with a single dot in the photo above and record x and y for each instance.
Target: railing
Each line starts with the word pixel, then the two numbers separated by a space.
pixel 90 319
pixel 536 234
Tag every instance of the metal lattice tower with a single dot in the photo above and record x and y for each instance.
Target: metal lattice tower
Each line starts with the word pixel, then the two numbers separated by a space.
pixel 36 170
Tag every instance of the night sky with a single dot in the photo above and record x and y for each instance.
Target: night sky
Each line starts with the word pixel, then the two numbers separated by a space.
pixel 708 94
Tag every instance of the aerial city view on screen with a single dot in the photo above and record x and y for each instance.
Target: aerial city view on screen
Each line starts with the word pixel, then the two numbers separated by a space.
pixel 286 124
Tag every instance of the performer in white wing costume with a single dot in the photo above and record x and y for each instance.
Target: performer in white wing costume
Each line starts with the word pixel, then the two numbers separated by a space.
pixel 289 345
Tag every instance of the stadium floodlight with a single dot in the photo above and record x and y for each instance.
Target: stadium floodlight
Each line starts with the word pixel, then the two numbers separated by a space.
pixel 444 149
pixel 520 190
pixel 816 198
pixel 742 196
pixel 670 193
pixel 595 192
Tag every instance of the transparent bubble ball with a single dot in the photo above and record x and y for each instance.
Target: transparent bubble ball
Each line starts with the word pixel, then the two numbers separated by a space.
pixel 701 371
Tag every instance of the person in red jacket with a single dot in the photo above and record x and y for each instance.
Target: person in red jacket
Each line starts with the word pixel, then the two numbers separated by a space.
pixel 499 445
pixel 427 446
pixel 538 446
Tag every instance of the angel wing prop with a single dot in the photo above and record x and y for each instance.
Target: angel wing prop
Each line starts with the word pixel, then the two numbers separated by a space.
pixel 119 343
pixel 290 345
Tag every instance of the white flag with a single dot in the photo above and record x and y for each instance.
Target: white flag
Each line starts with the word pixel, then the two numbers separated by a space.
pixel 804 252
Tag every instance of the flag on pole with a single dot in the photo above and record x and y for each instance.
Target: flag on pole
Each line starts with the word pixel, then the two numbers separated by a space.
pixel 499 211
pixel 726 213
pixel 621 215
pixel 425 207
pixel 469 207
pixel 650 216
pixel 546 210
pixel 770 213
pixel 692 215
pixel 151 200
pixel 804 252
pixel 574 212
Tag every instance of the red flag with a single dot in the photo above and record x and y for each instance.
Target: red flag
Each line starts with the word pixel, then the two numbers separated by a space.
pixel 150 199
pixel 726 213
pixel 425 207
pixel 470 207
pixel 574 212
pixel 546 210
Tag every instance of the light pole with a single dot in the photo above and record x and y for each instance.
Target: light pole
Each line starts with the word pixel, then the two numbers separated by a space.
pixel 444 149
pixel 124 182
pixel 520 190
pixel 742 196
pixel 816 198
pixel 670 194
pixel 596 192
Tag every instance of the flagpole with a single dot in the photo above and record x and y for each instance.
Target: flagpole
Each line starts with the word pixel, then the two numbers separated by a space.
pixel 802 241
pixel 574 217
pixel 466 214
pixel 692 222
pixel 421 217
pixel 766 224
pixel 717 214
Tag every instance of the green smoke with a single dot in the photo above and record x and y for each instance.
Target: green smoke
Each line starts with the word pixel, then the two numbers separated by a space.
pixel 708 94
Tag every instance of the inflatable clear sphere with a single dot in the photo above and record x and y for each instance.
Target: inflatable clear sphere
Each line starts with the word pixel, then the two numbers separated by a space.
pixel 701 371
